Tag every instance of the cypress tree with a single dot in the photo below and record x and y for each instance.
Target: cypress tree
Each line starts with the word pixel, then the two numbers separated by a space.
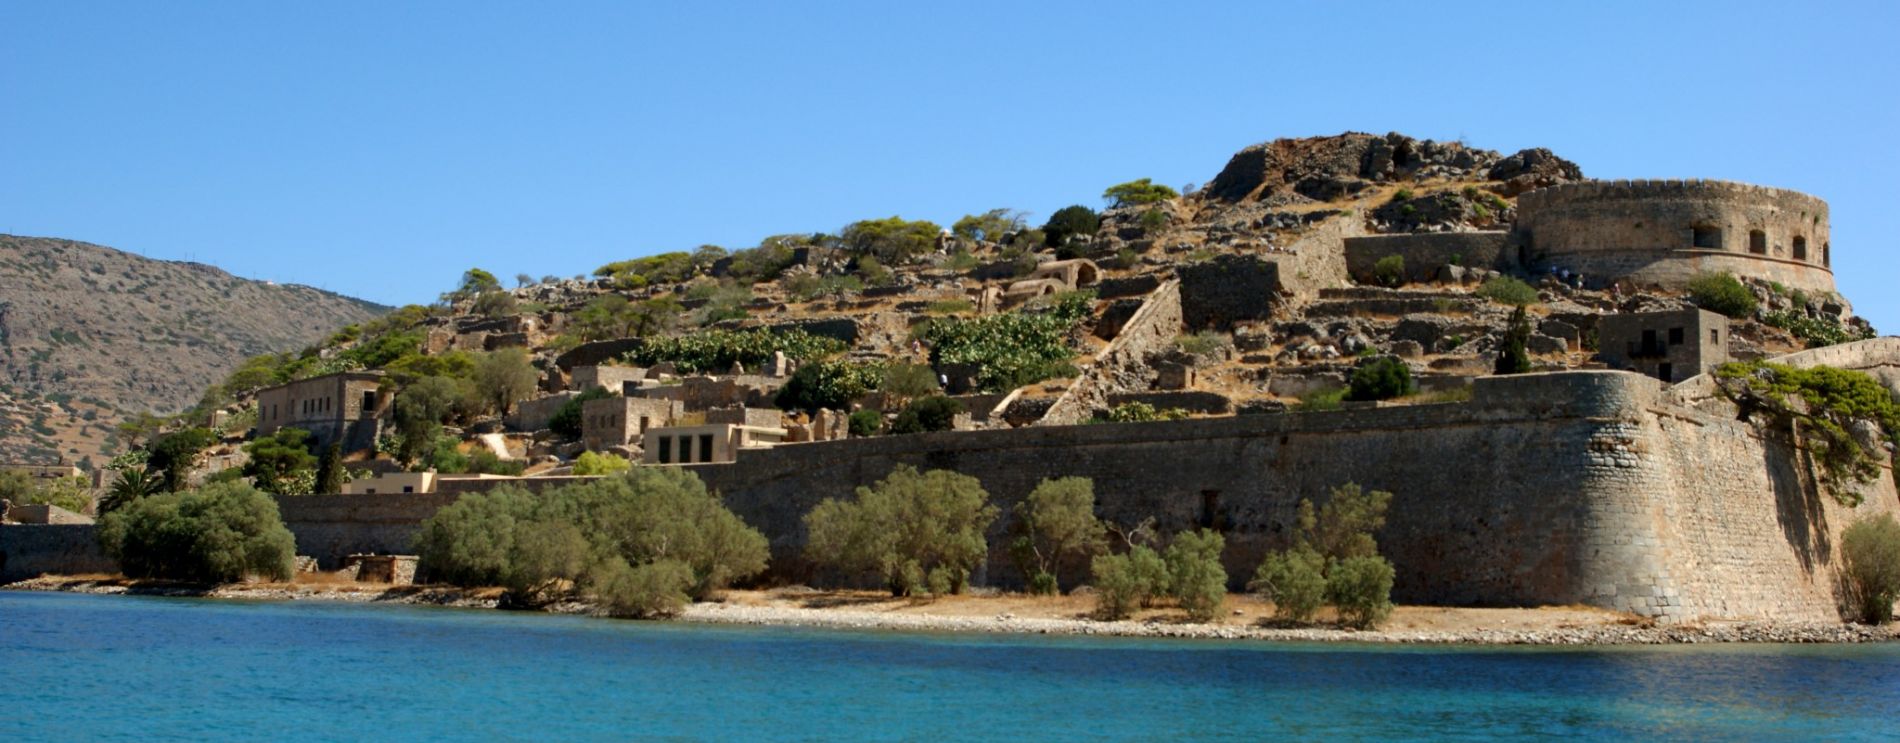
pixel 330 470
pixel 1515 358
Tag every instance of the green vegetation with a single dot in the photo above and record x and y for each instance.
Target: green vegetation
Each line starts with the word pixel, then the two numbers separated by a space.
pixel 1824 404
pixel 1723 293
pixel 665 268
pixel 1153 221
pixel 1403 194
pixel 642 543
pixel 714 350
pixel 418 413
pixel 1128 581
pixel 70 493
pixel 1137 192
pixel 475 281
pixel 174 455
pixel 1334 548
pixel 990 226
pixel 1389 271
pixel 220 534
pixel 1195 576
pixel 566 420
pixel 918 532
pixel 281 463
pixel 1506 290
pixel 502 377
pixel 1515 357
pixel 612 316
pixel 1068 222
pixel 493 304
pixel 1870 556
pixel 1319 401
pixel 1011 349
pixel 1814 332
pixel 1141 412
pixel 1206 344
pixel 590 463
pixel 330 472
pixel 951 307
pixel 1053 527
pixel 926 414
pixel 865 423
pixel 904 381
pixel 1382 378
pixel 830 384
pixel 892 240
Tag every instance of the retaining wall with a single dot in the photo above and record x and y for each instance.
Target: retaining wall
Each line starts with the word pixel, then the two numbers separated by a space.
pixel 27 550
pixel 1426 252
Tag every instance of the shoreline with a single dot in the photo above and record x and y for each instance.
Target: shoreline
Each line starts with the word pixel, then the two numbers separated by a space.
pixel 999 614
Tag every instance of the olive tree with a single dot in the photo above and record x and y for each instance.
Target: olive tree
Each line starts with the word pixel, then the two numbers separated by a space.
pixel 1055 525
pixel 220 534
pixel 920 532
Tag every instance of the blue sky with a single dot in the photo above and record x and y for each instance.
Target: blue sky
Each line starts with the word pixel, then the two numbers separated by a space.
pixel 379 149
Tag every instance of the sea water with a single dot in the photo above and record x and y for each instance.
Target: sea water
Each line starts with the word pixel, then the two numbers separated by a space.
pixel 78 667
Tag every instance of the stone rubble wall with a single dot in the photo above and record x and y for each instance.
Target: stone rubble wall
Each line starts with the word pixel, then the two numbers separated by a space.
pixel 28 550
pixel 1122 365
pixel 1426 252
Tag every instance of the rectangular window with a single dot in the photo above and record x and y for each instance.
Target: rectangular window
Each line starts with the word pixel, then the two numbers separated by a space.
pixel 1666 372
pixel 1715 336
pixel 1708 238
pixel 666 450
pixel 705 447
pixel 369 402
pixel 1757 242
pixel 1675 336
pixel 408 488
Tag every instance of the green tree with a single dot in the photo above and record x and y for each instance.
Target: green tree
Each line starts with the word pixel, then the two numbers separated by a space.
pixel 1361 589
pixel 174 455
pixel 990 226
pixel 826 385
pixel 1870 557
pixel 566 419
pixel 281 462
pixel 893 240
pixel 133 483
pixel 218 535
pixel 1195 575
pixel 919 532
pixel 936 413
pixel 1508 291
pixel 504 376
pixel 330 472
pixel 905 382
pixel 1055 525
pixel 1335 555
pixel 1127 581
pixel 474 282
pixel 1515 357
pixel 1137 192
pixel 70 493
pixel 590 463
pixel 1294 580
pixel 1068 222
pixel 496 303
pixel 1723 293
pixel 1381 378
pixel 418 413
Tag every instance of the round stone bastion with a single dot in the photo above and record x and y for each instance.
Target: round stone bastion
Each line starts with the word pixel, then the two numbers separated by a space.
pixel 1665 232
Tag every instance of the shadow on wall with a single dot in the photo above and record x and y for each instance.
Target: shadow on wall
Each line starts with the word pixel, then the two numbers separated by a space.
pixel 1798 506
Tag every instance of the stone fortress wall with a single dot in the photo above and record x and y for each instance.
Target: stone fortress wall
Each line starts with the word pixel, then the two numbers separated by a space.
pixel 1664 232
pixel 1573 487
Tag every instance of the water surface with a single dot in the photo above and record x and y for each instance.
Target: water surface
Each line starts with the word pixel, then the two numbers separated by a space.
pixel 78 667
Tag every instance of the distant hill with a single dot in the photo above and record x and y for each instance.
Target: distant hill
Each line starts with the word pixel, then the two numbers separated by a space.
pixel 90 335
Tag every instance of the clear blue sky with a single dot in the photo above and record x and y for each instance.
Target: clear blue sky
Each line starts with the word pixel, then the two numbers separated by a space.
pixel 378 149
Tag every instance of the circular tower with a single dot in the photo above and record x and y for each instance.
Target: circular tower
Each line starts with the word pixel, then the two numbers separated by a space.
pixel 1665 232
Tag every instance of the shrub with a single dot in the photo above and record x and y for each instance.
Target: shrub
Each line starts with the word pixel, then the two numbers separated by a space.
pixel 1515 356
pixel 70 493
pixel 715 351
pixel 865 423
pixel 1294 580
pixel 174 455
pixel 496 304
pixel 1009 349
pixel 646 516
pixel 892 240
pixel 951 307
pixel 566 419
pixel 665 268
pixel 1068 222
pixel 503 376
pixel 990 226
pixel 1814 332
pixel 1824 403
pixel 590 463
pixel 1206 343
pixel 1403 194
pixel 907 381
pixel 918 532
pixel 1153 221
pixel 1361 588
pixel 830 385
pixel 216 535
pixel 1390 270
pixel 281 462
pixel 1508 291
pixel 1870 556
pixel 1124 582
pixel 1137 411
pixel 1322 400
pixel 1382 378
pixel 1723 293
pixel 1195 575
pixel 936 413
pixel 485 462
pixel 1139 191
pixel 1055 525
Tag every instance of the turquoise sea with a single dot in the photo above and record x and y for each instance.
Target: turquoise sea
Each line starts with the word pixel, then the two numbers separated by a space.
pixel 78 667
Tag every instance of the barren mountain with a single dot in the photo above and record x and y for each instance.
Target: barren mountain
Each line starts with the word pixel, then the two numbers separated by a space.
pixel 89 335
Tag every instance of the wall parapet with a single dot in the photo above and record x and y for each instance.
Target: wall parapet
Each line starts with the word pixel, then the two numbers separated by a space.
pixel 1656 188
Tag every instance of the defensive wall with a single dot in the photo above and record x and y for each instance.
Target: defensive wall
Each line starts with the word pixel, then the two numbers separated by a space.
pixel 1426 252
pixel 27 550
pixel 1664 232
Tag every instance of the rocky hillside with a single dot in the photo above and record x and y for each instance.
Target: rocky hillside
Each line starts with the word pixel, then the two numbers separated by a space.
pixel 89 335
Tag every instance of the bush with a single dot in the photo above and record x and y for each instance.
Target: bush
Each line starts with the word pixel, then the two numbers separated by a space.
pixel 866 423
pixel 566 420
pixel 281 463
pixel 1318 401
pixel 919 532
pixel 1141 412
pixel 502 377
pixel 1137 192
pixel 1010 349
pixel 1124 582
pixel 1055 525
pixel 1825 404
pixel 1382 378
pixel 590 463
pixel 1361 588
pixel 892 240
pixel 22 489
pixel 1294 580
pixel 220 534
pixel 1723 293
pixel 1515 356
pixel 665 268
pixel 1206 344
pixel 714 351
pixel 1390 270
pixel 936 413
pixel 1068 222
pixel 1814 332
pixel 1195 575
pixel 1870 556
pixel 828 385
pixel 1153 221
pixel 1508 291
pixel 595 536
pixel 174 455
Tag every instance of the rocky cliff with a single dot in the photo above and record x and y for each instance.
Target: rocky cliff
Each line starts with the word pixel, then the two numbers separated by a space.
pixel 89 335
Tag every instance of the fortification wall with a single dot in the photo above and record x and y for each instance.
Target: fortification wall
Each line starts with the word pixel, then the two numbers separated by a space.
pixel 1122 365
pixel 332 527
pixel 27 550
pixel 1664 232
pixel 1426 252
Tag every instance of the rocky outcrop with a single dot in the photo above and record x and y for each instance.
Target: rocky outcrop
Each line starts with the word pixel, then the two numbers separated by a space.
pixel 1533 168
pixel 1287 171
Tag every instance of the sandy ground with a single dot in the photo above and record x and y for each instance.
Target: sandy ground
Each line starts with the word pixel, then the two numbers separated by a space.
pixel 1243 617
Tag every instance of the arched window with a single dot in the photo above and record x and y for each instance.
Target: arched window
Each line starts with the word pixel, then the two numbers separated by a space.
pixel 1827 254
pixel 1757 242
pixel 1800 248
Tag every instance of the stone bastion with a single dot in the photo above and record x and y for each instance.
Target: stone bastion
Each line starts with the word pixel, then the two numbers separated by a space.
pixel 1664 232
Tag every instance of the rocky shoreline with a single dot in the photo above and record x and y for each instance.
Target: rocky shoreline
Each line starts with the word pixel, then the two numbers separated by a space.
pixel 732 613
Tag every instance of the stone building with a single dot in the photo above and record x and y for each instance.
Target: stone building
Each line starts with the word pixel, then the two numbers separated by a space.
pixel 335 408
pixel 620 421
pixel 611 378
pixel 713 443
pixel 1670 346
